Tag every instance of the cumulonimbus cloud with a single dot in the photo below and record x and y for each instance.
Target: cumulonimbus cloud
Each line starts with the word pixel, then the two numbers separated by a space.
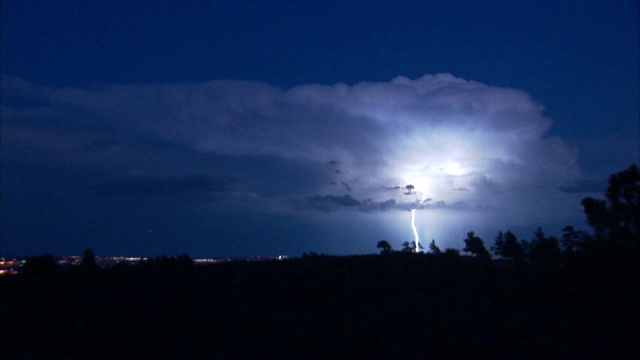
pixel 463 144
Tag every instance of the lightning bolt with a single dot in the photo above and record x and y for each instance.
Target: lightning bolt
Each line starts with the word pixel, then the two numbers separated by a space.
pixel 416 240
pixel 416 237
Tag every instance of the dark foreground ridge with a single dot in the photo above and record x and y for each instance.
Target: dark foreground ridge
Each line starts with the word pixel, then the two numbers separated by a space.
pixel 379 306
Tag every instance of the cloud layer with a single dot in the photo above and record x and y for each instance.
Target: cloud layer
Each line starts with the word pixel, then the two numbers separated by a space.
pixel 465 147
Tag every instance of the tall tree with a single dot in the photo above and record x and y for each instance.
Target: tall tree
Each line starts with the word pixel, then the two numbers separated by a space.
pixel 475 245
pixel 617 218
pixel 507 246
pixel 89 260
pixel 499 245
pixel 543 249
pixel 573 241
pixel 384 246
pixel 433 248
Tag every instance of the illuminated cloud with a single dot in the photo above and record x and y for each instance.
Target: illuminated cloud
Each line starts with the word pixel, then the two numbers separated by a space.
pixel 464 146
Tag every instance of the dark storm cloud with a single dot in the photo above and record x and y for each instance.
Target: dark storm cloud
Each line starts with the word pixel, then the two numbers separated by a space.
pixel 142 186
pixel 369 205
pixel 336 203
pixel 325 202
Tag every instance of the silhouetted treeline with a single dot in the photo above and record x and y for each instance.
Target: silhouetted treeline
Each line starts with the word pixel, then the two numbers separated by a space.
pixel 569 298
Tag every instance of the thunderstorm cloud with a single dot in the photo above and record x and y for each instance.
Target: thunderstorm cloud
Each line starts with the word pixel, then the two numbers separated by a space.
pixel 471 151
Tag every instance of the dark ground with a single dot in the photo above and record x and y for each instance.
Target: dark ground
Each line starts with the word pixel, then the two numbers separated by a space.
pixel 375 307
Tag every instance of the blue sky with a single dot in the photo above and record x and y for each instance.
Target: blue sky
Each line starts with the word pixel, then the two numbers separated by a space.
pixel 276 127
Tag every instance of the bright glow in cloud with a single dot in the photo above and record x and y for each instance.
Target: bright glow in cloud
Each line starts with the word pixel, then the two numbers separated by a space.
pixel 474 148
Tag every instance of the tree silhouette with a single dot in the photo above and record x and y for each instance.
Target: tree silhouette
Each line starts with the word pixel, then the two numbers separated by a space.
pixel 410 246
pixel 573 241
pixel 544 250
pixel 619 219
pixel 183 263
pixel 434 249
pixel 507 246
pixel 89 261
pixel 475 245
pixel 384 246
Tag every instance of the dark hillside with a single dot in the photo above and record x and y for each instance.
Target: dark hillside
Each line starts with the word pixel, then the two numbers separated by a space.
pixel 379 306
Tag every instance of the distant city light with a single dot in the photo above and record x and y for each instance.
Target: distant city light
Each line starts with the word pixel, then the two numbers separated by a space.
pixel 14 266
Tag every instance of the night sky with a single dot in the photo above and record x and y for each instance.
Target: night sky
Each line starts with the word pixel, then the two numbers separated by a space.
pixel 244 128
